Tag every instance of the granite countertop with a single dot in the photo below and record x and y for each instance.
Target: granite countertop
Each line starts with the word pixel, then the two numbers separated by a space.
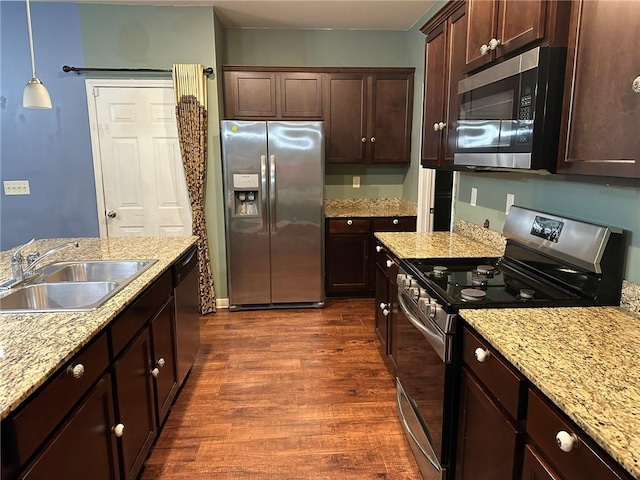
pixel 369 207
pixel 435 245
pixel 34 345
pixel 586 360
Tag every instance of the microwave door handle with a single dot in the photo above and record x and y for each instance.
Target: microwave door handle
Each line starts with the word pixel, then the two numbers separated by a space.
pixel 435 338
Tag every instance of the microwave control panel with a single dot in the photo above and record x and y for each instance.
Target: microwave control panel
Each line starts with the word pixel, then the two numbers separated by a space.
pixel 525 120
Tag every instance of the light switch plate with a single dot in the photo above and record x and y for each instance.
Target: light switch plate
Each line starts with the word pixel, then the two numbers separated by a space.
pixel 511 198
pixel 356 182
pixel 16 187
pixel 474 196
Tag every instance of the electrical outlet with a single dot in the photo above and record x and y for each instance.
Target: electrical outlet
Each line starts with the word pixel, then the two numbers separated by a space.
pixel 356 182
pixel 474 196
pixel 511 198
pixel 16 187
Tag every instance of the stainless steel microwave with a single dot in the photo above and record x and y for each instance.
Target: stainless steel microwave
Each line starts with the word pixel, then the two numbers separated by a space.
pixel 509 115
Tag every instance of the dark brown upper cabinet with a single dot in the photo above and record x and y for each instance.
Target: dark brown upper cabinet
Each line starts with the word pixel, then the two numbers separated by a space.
pixel 368 116
pixel 444 66
pixel 497 28
pixel 601 110
pixel 272 94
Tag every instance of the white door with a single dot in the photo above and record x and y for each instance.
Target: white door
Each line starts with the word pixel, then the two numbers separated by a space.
pixel 139 172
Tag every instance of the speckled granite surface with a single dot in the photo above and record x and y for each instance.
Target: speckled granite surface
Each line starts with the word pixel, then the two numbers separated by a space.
pixel 33 346
pixel 369 207
pixel 630 297
pixel 434 245
pixel 481 234
pixel 586 360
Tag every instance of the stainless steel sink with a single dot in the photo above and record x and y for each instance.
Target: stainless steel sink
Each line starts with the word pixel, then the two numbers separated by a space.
pixel 94 271
pixel 72 286
pixel 58 297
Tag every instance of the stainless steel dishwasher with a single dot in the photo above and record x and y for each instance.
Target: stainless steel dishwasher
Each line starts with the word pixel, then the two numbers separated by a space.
pixel 187 297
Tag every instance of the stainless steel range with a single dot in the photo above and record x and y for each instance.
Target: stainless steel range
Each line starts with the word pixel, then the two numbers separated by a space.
pixel 549 261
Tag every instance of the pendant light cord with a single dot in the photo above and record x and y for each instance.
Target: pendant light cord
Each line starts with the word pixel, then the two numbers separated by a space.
pixel 33 59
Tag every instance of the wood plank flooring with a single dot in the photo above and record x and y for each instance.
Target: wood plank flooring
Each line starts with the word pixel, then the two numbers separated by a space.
pixel 286 394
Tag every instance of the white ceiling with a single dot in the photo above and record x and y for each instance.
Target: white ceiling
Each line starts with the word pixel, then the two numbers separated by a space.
pixel 318 14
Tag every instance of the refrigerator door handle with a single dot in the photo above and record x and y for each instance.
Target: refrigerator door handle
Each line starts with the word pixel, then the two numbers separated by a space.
pixel 263 180
pixel 272 191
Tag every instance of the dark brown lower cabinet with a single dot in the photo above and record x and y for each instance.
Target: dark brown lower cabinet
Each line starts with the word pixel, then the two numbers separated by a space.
pixel 85 448
pixel 347 256
pixel 382 307
pixel 535 467
pixel 135 403
pixel 487 440
pixel 164 368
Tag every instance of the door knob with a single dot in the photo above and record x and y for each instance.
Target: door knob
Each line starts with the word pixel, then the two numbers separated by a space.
pixel 111 214
pixel 364 140
pixel 373 139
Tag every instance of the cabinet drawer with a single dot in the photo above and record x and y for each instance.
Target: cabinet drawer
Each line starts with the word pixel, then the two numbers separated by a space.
pixel 131 321
pixel 50 405
pixel 349 225
pixel 394 224
pixel 544 421
pixel 506 384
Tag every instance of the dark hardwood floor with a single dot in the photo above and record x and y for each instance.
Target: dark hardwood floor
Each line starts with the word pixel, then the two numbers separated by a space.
pixel 286 394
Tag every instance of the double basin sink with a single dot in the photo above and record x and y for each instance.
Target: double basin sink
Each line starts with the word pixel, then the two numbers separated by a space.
pixel 73 286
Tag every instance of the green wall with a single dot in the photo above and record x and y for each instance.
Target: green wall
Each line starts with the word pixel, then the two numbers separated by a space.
pixel 597 203
pixel 157 37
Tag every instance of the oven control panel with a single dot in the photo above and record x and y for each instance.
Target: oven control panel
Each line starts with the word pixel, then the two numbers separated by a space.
pixel 424 304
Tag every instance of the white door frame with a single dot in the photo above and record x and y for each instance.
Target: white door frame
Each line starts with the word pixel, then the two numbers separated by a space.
pixel 90 85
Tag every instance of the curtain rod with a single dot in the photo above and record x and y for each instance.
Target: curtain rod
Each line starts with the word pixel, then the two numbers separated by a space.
pixel 79 70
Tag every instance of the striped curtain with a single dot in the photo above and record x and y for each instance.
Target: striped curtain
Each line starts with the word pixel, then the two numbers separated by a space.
pixel 190 87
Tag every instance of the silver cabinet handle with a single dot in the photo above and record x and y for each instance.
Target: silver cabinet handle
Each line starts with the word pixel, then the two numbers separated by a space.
pixel 389 263
pixel 441 126
pixel 155 372
pixel 373 139
pixel 364 140
pixel 481 354
pixel 395 221
pixel 635 86
pixel 379 249
pixel 111 214
pixel 118 430
pixel 161 362
pixel 566 441
pixel 436 127
pixel 484 49
pixel 349 222
pixel 494 43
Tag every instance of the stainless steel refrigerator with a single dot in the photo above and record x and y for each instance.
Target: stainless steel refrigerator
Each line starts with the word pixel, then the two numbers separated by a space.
pixel 274 216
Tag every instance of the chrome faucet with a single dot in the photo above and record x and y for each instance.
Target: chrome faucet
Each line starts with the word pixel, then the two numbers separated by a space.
pixel 22 269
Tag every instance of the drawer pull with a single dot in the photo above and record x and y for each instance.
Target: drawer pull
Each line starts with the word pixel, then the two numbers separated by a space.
pixel 379 249
pixel 481 354
pixel 161 362
pixel 76 371
pixel 118 430
pixel 385 312
pixel 349 222
pixel 566 441
pixel 155 372
pixel 383 305
pixel 395 221
pixel 389 263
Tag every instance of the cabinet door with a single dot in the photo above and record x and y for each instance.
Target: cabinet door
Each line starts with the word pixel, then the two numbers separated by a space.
pixel 486 439
pixel 300 95
pixel 435 83
pixel 382 306
pixel 535 467
pixel 390 115
pixel 164 362
pixel 393 322
pixel 85 447
pixel 345 118
pixel 519 23
pixel 457 41
pixel 601 112
pixel 250 94
pixel 347 262
pixel 481 18
pixel 135 404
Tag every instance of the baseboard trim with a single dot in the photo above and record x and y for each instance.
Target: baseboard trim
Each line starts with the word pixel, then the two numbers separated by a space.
pixel 222 303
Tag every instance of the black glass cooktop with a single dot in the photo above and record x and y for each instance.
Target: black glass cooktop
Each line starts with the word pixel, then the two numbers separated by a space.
pixel 480 282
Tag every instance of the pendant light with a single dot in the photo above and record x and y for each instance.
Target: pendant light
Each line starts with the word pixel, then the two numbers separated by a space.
pixel 35 94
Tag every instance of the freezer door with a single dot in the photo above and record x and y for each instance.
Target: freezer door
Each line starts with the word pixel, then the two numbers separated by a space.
pixel 244 153
pixel 296 187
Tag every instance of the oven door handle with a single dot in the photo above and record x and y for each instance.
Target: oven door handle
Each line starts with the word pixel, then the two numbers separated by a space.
pixel 434 336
